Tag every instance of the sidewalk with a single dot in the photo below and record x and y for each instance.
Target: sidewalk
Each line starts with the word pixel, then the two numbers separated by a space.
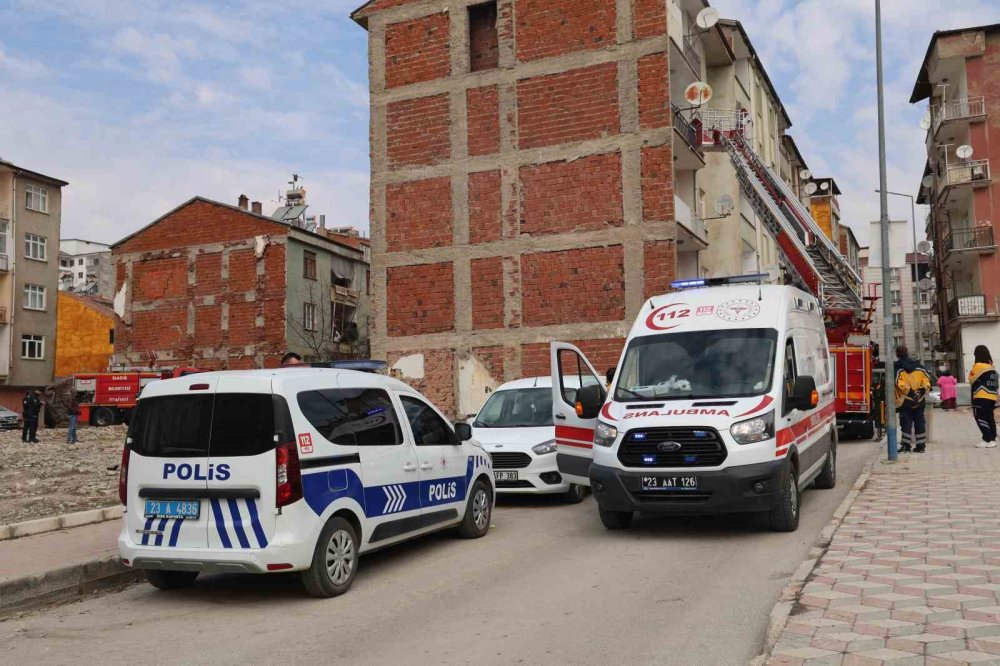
pixel 912 575
pixel 38 554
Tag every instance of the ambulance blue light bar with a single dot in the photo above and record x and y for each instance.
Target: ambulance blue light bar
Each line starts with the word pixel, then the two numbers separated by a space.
pixel 752 278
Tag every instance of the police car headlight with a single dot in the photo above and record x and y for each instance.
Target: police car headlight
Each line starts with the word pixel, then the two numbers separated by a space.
pixel 544 447
pixel 604 434
pixel 753 430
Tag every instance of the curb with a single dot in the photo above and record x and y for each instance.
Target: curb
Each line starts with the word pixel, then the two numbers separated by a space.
pixel 67 583
pixel 53 523
pixel 790 593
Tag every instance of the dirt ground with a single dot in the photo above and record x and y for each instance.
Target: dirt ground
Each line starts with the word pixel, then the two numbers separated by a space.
pixel 52 478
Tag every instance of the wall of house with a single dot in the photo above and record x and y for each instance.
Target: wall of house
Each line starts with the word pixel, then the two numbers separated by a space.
pixel 83 338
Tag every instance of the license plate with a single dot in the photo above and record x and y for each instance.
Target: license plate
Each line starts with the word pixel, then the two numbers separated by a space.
pixel 188 509
pixel 505 476
pixel 670 483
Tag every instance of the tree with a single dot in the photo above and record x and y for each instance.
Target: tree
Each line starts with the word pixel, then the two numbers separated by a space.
pixel 314 326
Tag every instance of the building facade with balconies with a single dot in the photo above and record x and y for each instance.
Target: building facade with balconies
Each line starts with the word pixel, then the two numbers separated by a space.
pixel 906 316
pixel 959 81
pixel 85 267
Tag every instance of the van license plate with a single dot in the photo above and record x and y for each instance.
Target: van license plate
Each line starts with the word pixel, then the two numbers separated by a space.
pixel 505 476
pixel 173 509
pixel 669 483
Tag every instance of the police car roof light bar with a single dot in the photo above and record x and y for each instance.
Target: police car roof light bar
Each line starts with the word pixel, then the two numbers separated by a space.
pixel 752 278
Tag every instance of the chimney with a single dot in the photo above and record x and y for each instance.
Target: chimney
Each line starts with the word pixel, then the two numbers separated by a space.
pixel 244 201
pixel 322 221
pixel 256 208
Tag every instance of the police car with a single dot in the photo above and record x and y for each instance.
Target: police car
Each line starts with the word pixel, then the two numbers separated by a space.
pixel 291 470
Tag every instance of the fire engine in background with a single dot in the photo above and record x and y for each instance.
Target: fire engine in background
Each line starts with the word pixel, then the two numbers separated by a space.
pixel 107 398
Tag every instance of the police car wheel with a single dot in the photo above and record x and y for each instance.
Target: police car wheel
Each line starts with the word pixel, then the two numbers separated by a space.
pixel 478 512
pixel 785 516
pixel 615 520
pixel 575 494
pixel 335 560
pixel 170 580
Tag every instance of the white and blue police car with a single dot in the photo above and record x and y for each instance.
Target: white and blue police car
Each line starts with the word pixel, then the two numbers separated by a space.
pixel 291 470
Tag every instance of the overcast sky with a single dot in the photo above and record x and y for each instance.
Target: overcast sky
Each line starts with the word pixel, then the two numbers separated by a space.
pixel 142 104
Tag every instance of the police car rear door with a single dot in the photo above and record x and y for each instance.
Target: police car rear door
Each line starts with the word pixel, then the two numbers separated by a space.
pixel 574 433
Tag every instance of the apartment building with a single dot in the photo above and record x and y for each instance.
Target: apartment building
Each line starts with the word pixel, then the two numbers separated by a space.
pixel 85 267
pixel 30 217
pixel 903 294
pixel 958 81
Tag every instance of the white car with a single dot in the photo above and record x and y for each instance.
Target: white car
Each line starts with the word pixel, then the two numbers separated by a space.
pixel 515 427
pixel 291 470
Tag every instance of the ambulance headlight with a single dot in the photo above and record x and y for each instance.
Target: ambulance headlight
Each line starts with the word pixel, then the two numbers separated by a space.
pixel 753 430
pixel 604 434
pixel 544 447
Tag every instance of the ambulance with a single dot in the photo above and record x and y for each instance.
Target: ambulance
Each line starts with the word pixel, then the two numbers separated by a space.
pixel 293 469
pixel 722 402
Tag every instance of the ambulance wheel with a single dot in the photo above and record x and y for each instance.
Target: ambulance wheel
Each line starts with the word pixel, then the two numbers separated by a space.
pixel 170 580
pixel 615 520
pixel 785 516
pixel 335 560
pixel 828 475
pixel 478 512
pixel 103 417
pixel 575 494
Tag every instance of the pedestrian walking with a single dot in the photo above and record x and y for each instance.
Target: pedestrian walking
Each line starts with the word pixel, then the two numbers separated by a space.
pixel 73 409
pixel 984 396
pixel 949 395
pixel 912 384
pixel 31 407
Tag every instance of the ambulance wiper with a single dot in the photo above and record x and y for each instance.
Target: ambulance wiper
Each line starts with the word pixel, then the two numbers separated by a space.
pixel 630 391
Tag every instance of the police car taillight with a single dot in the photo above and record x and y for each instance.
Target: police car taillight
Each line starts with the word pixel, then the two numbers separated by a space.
pixel 287 474
pixel 123 477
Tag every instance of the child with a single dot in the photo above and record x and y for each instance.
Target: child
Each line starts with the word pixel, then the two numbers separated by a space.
pixel 984 396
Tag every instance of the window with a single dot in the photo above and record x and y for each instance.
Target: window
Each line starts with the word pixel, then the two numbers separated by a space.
pixel 428 428
pixel 790 374
pixel 111 336
pixel 3 238
pixel 358 416
pixel 63 263
pixel 517 408
pixel 96 261
pixel 33 347
pixel 35 247
pixel 242 424
pixel 79 275
pixel 484 52
pixel 34 297
pixel 79 262
pixel 36 198
pixel 896 297
pixel 573 373
pixel 309 265
pixel 326 410
pixel 897 320
pixel 309 316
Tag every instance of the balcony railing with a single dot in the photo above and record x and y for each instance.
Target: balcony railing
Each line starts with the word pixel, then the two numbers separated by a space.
pixel 686 130
pixel 692 57
pixel 973 171
pixel 967 306
pixel 977 238
pixel 724 120
pixel 344 295
pixel 957 109
pixel 686 217
pixel 4 263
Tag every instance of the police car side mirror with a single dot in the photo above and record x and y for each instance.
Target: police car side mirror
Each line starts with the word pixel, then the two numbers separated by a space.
pixel 589 400
pixel 463 431
pixel 804 394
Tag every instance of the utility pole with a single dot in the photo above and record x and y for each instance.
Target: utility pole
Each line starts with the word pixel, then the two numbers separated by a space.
pixel 887 354
pixel 918 322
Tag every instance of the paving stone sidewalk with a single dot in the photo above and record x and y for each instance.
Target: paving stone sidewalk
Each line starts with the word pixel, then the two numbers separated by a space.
pixel 912 575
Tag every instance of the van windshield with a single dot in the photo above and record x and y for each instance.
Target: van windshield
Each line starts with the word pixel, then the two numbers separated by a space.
pixel 702 364
pixel 517 408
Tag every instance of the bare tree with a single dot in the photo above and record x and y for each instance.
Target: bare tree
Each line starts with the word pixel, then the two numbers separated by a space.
pixel 315 328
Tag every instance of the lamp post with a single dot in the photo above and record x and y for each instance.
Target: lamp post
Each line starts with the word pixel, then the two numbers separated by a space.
pixel 917 314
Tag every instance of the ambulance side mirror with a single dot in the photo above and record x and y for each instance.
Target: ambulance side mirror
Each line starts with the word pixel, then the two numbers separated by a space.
pixel 589 400
pixel 804 393
pixel 463 431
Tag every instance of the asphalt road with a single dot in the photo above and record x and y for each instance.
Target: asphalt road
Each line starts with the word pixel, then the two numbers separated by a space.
pixel 547 585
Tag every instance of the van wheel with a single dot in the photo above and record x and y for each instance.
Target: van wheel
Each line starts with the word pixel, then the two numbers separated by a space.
pixel 615 520
pixel 785 516
pixel 828 475
pixel 335 560
pixel 478 512
pixel 170 580
pixel 103 417
pixel 575 494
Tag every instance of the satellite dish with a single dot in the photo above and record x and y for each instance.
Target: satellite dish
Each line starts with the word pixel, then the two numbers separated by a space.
pixel 707 18
pixel 926 284
pixel 964 152
pixel 805 174
pixel 923 247
pixel 724 205
pixel 698 93
pixel 811 188
pixel 925 122
pixel 927 181
pixel 825 185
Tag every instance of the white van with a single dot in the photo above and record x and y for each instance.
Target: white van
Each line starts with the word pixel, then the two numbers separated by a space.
pixel 723 402
pixel 291 470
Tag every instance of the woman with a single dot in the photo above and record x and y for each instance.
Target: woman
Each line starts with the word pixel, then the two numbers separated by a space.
pixel 948 392
pixel 984 396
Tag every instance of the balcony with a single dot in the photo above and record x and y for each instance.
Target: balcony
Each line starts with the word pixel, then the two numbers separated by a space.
pixel 692 57
pixel 968 307
pixel 343 295
pixel 4 263
pixel 977 239
pixel 724 120
pixel 958 109
pixel 688 155
pixel 972 172
pixel 693 225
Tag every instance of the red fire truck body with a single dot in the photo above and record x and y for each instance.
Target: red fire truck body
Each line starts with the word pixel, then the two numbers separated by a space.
pixel 107 398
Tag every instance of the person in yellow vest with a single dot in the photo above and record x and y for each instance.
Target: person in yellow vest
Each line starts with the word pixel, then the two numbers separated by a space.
pixel 984 396
pixel 912 384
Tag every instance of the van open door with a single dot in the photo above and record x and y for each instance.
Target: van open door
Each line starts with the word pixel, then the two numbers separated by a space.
pixel 574 382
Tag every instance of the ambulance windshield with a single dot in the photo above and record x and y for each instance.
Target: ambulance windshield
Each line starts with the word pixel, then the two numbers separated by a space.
pixel 702 364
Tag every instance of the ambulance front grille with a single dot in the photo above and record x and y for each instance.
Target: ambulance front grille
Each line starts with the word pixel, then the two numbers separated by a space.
pixel 682 447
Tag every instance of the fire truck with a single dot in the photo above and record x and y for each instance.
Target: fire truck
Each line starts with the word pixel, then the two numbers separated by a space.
pixel 107 398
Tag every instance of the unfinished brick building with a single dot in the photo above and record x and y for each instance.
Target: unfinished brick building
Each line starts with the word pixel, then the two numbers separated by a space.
pixel 522 183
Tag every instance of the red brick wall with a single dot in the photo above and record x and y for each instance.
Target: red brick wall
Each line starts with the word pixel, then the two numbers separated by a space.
pixel 585 285
pixel 417 131
pixel 484 207
pixel 208 324
pixel 654 91
pixel 420 299
pixel 160 278
pixel 484 120
pixel 554 27
pixel 649 18
pixel 602 354
pixel 570 106
pixel 657 183
pixel 487 293
pixel 438 383
pixel 658 261
pixel 581 195
pixel 242 270
pixel 493 359
pixel 417 50
pixel 208 273
pixel 484 51
pixel 418 214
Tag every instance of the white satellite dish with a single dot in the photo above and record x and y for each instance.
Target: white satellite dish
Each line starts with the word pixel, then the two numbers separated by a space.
pixel 810 189
pixel 925 122
pixel 698 93
pixel 964 152
pixel 724 205
pixel 825 185
pixel 924 247
pixel 927 181
pixel 926 284
pixel 707 18
pixel 805 174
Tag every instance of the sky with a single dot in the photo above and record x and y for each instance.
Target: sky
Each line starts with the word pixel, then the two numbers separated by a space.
pixel 142 104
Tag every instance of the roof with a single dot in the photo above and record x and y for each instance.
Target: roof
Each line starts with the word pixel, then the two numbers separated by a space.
pixel 732 23
pixel 787 138
pixel 99 305
pixel 922 88
pixel 244 211
pixel 248 380
pixel 833 187
pixel 34 174
pixel 525 383
pixel 284 213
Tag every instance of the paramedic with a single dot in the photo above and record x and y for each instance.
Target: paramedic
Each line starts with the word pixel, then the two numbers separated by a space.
pixel 984 396
pixel 912 384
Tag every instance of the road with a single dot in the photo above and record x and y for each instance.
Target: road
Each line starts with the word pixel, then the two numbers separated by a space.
pixel 547 585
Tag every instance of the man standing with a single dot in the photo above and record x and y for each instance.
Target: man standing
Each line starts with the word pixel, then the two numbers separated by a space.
pixel 73 410
pixel 912 384
pixel 31 406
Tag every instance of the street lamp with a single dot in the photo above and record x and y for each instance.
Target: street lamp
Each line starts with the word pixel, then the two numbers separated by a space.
pixel 917 318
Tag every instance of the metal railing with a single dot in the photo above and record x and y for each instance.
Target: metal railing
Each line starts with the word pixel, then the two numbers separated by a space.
pixel 686 129
pixel 956 109
pixel 685 216
pixel 963 173
pixel 692 57
pixel 967 306
pixel 724 120
pixel 976 238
